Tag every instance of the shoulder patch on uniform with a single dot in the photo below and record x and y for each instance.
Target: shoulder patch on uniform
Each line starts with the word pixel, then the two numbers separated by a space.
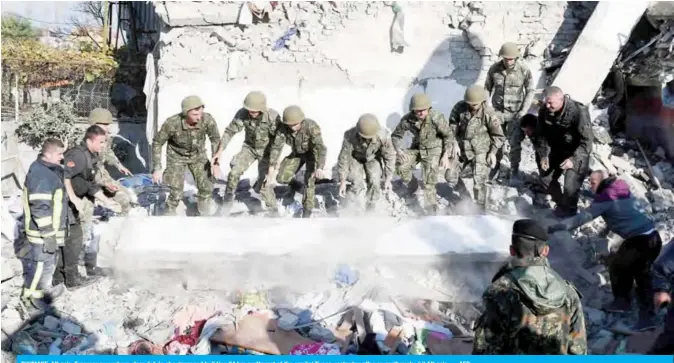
pixel 70 164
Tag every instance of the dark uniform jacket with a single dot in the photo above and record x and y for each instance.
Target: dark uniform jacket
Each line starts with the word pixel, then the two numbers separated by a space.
pixel 45 201
pixel 80 168
pixel 564 134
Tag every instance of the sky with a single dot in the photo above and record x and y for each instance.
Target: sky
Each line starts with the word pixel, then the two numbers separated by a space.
pixel 43 14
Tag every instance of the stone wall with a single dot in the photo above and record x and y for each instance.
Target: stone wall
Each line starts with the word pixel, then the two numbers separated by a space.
pixel 341 65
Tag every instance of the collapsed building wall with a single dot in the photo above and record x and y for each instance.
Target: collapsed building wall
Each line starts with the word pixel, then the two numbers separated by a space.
pixel 340 63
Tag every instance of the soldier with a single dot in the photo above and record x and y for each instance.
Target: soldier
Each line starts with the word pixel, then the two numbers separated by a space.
pixel 512 89
pixel 303 135
pixel 186 135
pixel 365 149
pixel 563 144
pixel 259 124
pixel 431 143
pixel 478 138
pixel 529 308
pixel 80 169
pixel 46 223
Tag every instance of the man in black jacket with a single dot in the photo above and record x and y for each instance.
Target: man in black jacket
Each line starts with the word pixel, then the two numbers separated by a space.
pixel 46 221
pixel 563 144
pixel 663 284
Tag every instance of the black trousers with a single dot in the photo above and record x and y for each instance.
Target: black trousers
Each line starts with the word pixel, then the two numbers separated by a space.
pixel 68 256
pixel 566 197
pixel 632 264
pixel 664 344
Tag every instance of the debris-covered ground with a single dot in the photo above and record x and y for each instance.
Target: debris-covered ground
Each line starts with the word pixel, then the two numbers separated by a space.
pixel 112 317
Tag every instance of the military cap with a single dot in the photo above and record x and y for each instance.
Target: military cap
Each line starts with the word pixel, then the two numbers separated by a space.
pixel 420 101
pixel 530 229
pixel 190 103
pixel 368 126
pixel 292 115
pixel 255 101
pixel 100 116
pixel 509 50
pixel 475 94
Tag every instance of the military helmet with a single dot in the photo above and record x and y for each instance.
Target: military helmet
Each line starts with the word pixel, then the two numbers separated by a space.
pixel 475 94
pixel 293 115
pixel 190 103
pixel 368 126
pixel 255 101
pixel 100 116
pixel 420 101
pixel 509 50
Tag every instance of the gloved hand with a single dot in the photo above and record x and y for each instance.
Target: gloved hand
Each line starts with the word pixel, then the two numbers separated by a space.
pixel 50 245
pixel 556 227
pixel 491 159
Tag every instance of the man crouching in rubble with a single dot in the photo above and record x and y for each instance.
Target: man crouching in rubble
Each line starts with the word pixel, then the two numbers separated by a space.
pixel 641 246
pixel 365 149
pixel 529 308
pixel 80 169
pixel 46 222
pixel 564 145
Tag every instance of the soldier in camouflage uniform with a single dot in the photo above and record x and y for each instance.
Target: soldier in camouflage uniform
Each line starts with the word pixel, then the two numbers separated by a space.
pixel 511 86
pixel 303 135
pixel 479 136
pixel 365 149
pixel 431 143
pixel 186 135
pixel 259 124
pixel 529 308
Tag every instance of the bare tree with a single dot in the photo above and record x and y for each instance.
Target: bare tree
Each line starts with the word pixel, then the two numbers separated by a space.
pixel 91 16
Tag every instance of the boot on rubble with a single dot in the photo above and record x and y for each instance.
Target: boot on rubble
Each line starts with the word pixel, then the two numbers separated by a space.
pixel 306 213
pixel 76 281
pixel 293 187
pixel 90 263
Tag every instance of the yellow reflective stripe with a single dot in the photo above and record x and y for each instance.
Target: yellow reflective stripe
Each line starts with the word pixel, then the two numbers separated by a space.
pixel 30 232
pixel 60 234
pixel 60 241
pixel 39 196
pixel 49 234
pixel 57 209
pixel 36 276
pixel 37 234
pixel 35 294
pixel 43 222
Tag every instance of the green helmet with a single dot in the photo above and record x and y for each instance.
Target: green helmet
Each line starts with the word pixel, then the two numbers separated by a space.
pixel 190 103
pixel 509 50
pixel 255 101
pixel 420 101
pixel 100 116
pixel 293 115
pixel 368 126
pixel 475 94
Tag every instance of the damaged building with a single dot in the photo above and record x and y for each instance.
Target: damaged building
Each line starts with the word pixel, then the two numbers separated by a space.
pixel 313 284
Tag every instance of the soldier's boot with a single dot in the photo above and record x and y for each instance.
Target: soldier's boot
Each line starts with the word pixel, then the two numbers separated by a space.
pixel 90 263
pixel 646 322
pixel 76 281
pixel 619 305
pixel 226 203
pixel 306 213
pixel 294 187
pixel 515 176
pixel 431 210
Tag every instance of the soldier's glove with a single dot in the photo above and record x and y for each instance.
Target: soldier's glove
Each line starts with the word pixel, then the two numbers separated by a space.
pixel 556 228
pixel 491 159
pixel 50 245
pixel 342 189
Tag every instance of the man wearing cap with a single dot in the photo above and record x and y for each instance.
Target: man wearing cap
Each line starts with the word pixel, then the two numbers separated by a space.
pixel 186 135
pixel 511 86
pixel 632 261
pixel 365 149
pixel 304 137
pixel 563 146
pixel 529 308
pixel 479 136
pixel 431 142
pixel 259 124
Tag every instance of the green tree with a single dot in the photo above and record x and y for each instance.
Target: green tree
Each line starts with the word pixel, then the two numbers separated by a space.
pixel 16 28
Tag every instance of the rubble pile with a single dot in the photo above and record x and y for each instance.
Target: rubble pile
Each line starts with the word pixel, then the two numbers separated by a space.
pixel 344 319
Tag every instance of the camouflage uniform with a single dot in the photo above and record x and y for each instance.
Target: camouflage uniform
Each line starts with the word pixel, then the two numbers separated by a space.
pixel 259 134
pixel 362 157
pixel 512 92
pixel 307 149
pixel 530 309
pixel 431 137
pixel 478 134
pixel 186 149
